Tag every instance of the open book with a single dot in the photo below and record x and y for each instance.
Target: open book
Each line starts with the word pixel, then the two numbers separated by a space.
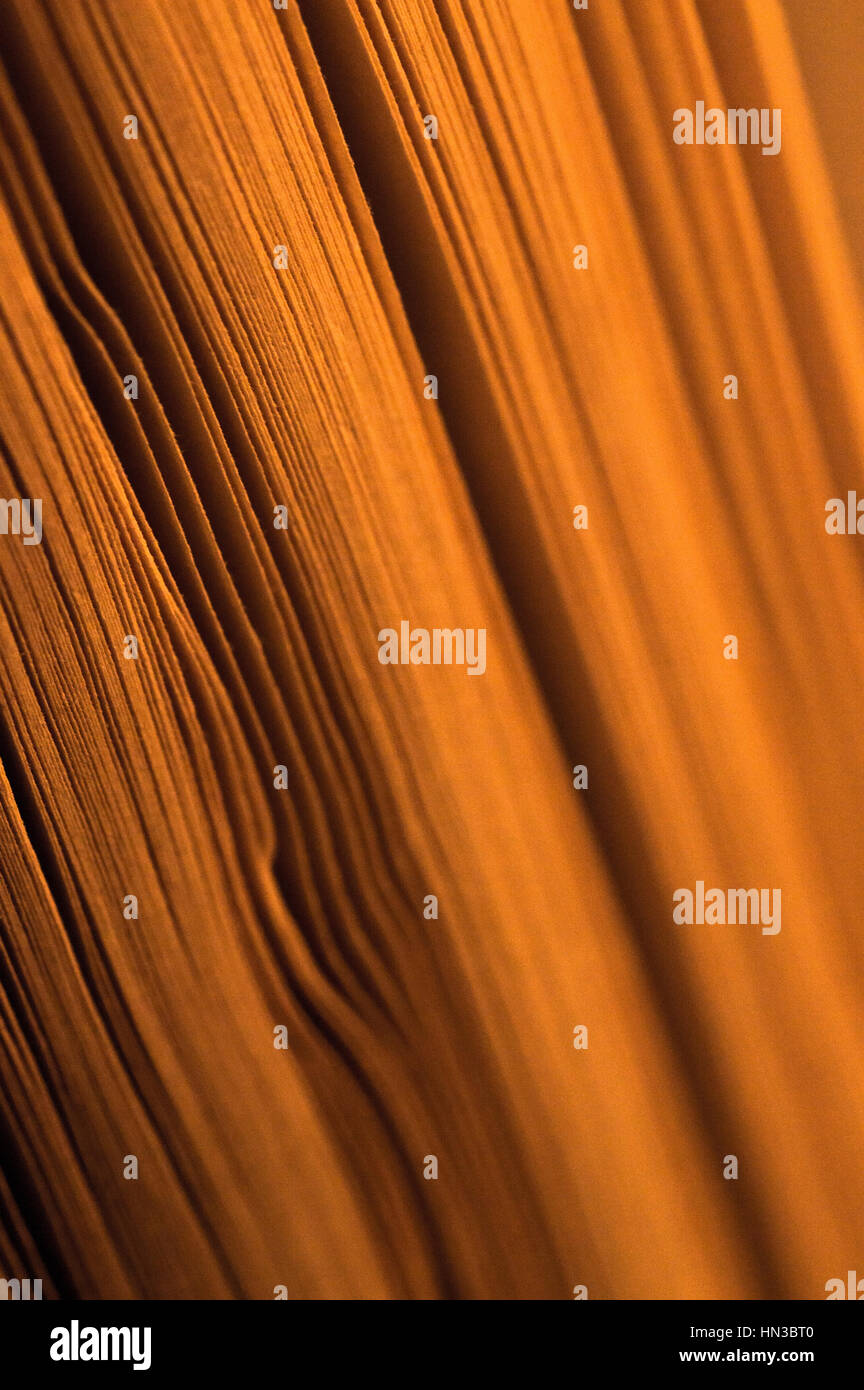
pixel 422 588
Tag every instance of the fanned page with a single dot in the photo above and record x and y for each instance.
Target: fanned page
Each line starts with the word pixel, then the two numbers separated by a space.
pixel 431 650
